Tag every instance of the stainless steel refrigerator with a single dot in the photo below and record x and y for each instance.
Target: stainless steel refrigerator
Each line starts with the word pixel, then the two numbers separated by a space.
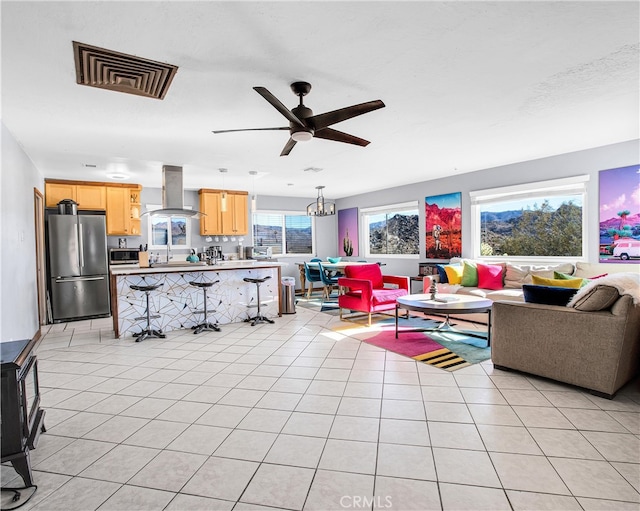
pixel 78 267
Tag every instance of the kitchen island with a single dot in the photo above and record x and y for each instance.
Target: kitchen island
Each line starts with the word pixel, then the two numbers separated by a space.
pixel 177 302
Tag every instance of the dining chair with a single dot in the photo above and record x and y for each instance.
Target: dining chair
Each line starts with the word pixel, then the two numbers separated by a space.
pixel 328 281
pixel 311 275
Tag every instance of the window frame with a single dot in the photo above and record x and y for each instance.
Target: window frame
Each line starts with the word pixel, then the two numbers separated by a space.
pixel 283 214
pixel 364 213
pixel 188 226
pixel 576 185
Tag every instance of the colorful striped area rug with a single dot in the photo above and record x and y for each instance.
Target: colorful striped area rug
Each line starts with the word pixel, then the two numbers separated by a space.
pixel 443 349
pixel 420 347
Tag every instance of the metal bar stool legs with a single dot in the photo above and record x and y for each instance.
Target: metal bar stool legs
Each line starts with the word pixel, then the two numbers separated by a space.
pixel 258 318
pixel 205 326
pixel 148 332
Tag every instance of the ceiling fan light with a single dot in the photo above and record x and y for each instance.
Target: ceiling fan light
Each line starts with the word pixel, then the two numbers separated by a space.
pixel 301 136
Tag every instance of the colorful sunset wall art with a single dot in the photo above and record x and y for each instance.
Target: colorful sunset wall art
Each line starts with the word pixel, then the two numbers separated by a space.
pixel 348 232
pixel 443 215
pixel 620 214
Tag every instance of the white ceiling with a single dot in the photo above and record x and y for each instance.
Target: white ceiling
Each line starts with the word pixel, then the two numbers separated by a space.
pixel 467 86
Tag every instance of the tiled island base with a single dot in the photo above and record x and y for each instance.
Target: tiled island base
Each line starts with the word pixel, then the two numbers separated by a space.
pixel 180 305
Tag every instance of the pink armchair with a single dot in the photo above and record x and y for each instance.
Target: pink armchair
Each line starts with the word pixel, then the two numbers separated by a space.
pixel 362 289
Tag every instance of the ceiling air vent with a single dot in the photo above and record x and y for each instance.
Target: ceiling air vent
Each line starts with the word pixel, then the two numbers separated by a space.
pixel 106 69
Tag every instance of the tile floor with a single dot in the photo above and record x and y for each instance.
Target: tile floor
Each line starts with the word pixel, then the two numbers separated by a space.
pixel 294 416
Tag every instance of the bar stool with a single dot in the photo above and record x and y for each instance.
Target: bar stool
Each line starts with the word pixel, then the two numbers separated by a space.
pixel 258 318
pixel 205 326
pixel 147 332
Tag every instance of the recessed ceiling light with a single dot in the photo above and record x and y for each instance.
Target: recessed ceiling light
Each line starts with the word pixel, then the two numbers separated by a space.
pixel 117 175
pixel 312 169
pixel 90 165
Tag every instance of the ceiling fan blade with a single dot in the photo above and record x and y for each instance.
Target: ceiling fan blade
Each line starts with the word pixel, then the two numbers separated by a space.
pixel 275 102
pixel 339 136
pixel 287 148
pixel 328 118
pixel 250 129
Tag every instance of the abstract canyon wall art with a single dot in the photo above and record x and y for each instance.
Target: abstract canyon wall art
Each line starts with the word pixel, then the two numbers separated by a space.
pixel 443 215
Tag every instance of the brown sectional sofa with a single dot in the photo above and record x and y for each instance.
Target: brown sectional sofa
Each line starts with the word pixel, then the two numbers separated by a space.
pixel 598 350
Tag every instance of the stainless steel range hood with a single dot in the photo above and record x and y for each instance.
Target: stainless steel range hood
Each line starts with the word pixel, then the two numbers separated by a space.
pixel 173 195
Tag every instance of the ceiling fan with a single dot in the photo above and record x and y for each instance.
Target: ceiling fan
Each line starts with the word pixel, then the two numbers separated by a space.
pixel 303 125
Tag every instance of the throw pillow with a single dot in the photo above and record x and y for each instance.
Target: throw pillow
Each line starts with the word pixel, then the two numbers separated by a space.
pixel 558 275
pixel 542 281
pixel 442 274
pixel 454 273
pixel 490 276
pixel 547 295
pixel 469 274
pixel 595 299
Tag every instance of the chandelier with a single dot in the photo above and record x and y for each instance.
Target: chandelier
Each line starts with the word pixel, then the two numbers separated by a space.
pixel 321 207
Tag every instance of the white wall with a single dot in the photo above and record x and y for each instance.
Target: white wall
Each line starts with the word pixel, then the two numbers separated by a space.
pixel 590 162
pixel 19 296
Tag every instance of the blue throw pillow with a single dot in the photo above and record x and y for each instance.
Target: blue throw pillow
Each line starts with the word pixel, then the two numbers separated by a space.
pixel 548 295
pixel 442 275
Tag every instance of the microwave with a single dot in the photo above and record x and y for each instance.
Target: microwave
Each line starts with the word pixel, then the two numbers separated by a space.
pixel 124 255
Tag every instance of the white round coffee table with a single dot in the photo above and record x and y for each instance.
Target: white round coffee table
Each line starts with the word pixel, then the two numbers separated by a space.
pixel 444 305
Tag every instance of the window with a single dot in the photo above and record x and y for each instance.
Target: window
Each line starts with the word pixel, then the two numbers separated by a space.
pixel 536 220
pixel 391 230
pixel 285 233
pixel 174 231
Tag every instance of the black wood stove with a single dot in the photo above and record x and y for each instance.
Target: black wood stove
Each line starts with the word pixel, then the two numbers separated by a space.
pixel 22 418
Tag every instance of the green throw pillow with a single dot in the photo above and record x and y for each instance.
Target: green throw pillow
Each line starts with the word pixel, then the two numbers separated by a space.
pixel 469 275
pixel 564 276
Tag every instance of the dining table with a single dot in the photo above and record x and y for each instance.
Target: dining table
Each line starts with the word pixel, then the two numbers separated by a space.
pixel 326 265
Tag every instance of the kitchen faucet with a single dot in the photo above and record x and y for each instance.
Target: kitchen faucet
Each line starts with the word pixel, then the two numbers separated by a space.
pixel 169 256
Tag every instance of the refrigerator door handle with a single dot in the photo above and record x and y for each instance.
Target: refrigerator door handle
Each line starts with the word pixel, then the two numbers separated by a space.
pixel 81 245
pixel 75 279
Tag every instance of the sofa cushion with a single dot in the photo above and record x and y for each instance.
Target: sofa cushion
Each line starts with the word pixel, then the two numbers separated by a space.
pixel 515 275
pixel 365 272
pixel 600 297
pixel 542 281
pixel 454 273
pixel 589 270
pixel 547 295
pixel 490 276
pixel 469 274
pixel 382 296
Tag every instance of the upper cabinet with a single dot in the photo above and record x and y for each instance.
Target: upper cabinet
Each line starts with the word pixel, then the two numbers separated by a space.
pixel 234 221
pixel 121 202
pixel 123 211
pixel 87 195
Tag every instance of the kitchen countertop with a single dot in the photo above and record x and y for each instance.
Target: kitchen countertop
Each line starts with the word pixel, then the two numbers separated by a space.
pixel 132 269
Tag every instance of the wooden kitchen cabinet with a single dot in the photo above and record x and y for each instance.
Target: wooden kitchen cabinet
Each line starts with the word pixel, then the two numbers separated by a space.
pixel 234 221
pixel 55 192
pixel 87 195
pixel 91 197
pixel 123 211
pixel 211 221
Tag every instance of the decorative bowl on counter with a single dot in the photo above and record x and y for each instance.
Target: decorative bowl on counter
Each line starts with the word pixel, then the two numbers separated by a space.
pixel 334 260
